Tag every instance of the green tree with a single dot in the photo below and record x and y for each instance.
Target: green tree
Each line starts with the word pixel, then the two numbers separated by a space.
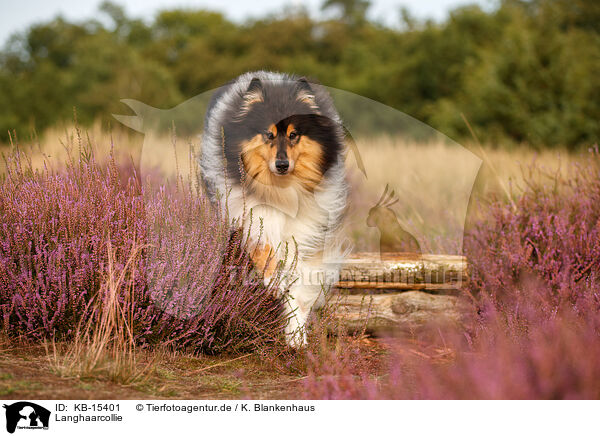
pixel 352 11
pixel 524 72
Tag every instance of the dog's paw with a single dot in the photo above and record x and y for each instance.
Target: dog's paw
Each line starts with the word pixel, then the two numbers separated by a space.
pixel 296 340
pixel 295 336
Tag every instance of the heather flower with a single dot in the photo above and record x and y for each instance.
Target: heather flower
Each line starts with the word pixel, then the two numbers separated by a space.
pixel 192 281
pixel 533 328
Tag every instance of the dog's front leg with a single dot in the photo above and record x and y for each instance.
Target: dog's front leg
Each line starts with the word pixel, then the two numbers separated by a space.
pixel 295 329
pixel 300 298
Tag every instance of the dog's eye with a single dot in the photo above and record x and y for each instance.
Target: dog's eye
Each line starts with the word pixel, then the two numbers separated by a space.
pixel 269 135
pixel 293 135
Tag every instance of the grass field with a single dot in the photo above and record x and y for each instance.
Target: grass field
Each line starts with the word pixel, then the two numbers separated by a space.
pixel 513 208
pixel 435 181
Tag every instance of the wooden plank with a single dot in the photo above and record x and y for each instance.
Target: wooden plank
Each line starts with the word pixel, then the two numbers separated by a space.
pixel 361 286
pixel 402 271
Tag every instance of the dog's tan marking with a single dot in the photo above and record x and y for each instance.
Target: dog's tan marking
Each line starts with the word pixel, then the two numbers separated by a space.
pixel 250 98
pixel 262 257
pixel 308 156
pixel 273 129
pixel 253 97
pixel 290 129
pixel 309 99
pixel 255 155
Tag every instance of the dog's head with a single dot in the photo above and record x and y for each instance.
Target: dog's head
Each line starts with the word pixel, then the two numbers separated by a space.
pixel 281 134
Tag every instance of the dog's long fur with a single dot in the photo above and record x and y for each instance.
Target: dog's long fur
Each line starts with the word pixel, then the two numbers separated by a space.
pixel 254 126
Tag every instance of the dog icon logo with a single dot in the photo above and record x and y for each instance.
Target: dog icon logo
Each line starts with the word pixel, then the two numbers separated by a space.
pixel 26 415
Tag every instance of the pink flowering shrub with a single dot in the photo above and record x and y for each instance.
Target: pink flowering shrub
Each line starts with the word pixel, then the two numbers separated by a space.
pixel 533 328
pixel 191 278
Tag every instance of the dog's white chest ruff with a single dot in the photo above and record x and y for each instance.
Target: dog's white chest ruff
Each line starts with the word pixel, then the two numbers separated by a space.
pixel 302 227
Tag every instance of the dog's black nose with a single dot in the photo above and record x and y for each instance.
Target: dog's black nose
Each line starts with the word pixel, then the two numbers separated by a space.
pixel 282 165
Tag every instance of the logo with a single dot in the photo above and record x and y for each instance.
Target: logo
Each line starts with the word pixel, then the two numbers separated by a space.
pixel 26 415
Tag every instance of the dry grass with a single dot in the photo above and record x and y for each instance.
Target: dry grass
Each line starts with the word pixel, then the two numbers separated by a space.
pixel 395 161
pixel 387 160
pixel 167 155
pixel 435 182
pixel 104 344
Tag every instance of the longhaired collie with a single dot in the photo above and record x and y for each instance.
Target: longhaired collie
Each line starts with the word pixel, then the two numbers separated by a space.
pixel 273 158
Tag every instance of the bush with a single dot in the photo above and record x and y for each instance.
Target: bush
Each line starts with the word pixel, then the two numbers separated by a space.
pixel 533 331
pixel 191 280
pixel 524 71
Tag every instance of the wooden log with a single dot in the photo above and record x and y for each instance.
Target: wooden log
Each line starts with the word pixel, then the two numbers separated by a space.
pixel 402 271
pixel 358 286
pixel 402 311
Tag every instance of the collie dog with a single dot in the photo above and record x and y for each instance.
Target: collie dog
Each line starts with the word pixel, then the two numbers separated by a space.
pixel 273 157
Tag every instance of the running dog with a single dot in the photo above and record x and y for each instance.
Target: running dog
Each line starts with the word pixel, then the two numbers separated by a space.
pixel 273 159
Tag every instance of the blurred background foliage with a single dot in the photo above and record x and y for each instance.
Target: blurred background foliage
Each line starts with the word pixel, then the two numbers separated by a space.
pixel 524 72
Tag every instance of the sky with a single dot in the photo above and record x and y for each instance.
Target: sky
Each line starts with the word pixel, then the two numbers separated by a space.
pixel 16 16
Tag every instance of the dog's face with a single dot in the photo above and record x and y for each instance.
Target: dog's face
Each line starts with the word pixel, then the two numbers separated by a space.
pixel 281 135
pixel 280 147
pixel 283 152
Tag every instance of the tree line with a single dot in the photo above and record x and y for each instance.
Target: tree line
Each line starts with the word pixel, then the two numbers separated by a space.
pixel 526 71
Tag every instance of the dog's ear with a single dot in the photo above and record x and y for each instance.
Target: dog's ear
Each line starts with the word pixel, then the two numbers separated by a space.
pixel 255 87
pixel 304 85
pixel 306 93
pixel 253 94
